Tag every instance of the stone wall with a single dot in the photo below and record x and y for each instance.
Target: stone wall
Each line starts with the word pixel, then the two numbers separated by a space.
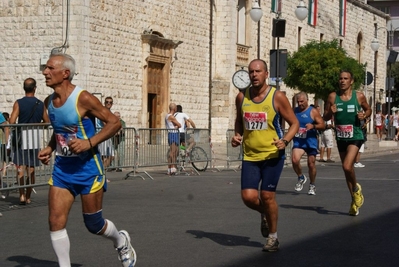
pixel 105 39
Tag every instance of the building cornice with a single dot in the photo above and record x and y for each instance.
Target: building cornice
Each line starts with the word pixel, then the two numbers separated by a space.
pixel 371 9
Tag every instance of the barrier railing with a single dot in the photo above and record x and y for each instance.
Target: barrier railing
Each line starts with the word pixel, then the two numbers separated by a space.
pixel 153 150
pixel 234 154
pixel 22 147
pixel 139 150
pixel 119 149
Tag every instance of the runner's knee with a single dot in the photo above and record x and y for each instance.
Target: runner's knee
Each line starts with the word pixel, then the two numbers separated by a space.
pixel 94 222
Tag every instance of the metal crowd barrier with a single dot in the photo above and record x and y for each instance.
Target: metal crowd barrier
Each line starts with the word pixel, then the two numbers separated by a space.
pixel 234 154
pixel 121 148
pixel 139 150
pixel 153 149
pixel 27 137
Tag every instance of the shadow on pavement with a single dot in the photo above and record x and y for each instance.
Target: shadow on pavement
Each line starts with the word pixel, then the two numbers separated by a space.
pixel 24 261
pixel 225 240
pixel 319 210
pixel 373 243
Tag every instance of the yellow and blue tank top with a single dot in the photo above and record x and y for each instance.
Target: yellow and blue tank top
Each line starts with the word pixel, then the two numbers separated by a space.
pixel 261 123
pixel 347 124
pixel 68 125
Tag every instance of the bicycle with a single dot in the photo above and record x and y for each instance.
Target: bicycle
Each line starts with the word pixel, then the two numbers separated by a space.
pixel 197 157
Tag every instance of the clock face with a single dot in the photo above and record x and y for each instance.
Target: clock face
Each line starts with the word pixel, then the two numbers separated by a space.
pixel 241 79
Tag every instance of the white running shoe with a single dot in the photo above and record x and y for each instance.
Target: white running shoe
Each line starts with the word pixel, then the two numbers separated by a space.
pixel 126 253
pixel 359 165
pixel 312 190
pixel 300 183
pixel 271 245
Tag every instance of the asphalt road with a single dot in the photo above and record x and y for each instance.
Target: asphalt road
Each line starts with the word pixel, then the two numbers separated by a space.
pixel 200 221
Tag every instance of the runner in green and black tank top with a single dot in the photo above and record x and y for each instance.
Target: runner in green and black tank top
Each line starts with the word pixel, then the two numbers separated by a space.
pixel 346 120
pixel 348 108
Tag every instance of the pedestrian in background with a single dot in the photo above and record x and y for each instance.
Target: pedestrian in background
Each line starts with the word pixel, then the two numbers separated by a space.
pixel 173 126
pixel 77 168
pixel 4 149
pixel 106 148
pixel 348 108
pixel 28 109
pixel 119 143
pixel 257 127
pixel 395 124
pixel 379 119
pixel 363 125
pixel 327 142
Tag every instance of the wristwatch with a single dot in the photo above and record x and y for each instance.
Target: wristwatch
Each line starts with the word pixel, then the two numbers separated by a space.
pixel 285 142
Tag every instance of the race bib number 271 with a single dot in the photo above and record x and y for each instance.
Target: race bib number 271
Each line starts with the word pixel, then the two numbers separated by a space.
pixel 255 120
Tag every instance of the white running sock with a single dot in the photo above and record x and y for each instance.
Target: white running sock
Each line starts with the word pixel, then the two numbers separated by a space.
pixel 112 233
pixel 274 235
pixel 61 246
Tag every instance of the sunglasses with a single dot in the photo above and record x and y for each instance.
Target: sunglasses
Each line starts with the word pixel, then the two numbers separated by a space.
pixel 108 102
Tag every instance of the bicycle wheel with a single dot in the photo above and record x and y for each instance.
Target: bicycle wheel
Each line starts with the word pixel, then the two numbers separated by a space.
pixel 199 159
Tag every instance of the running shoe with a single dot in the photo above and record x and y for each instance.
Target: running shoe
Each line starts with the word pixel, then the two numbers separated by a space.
pixel 264 227
pixel 126 253
pixel 312 190
pixel 359 165
pixel 173 171
pixel 300 183
pixel 271 245
pixel 353 210
pixel 357 196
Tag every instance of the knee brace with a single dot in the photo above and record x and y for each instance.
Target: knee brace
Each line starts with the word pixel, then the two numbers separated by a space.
pixel 94 222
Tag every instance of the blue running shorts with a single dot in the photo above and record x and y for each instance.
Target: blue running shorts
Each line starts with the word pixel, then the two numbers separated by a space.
pixel 266 172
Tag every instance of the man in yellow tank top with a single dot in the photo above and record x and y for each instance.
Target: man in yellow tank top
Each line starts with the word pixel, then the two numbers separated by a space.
pixel 257 128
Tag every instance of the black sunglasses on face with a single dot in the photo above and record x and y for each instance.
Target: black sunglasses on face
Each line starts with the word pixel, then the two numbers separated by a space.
pixel 108 102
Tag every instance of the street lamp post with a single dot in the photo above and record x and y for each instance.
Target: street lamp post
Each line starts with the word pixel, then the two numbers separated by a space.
pixel 256 13
pixel 374 46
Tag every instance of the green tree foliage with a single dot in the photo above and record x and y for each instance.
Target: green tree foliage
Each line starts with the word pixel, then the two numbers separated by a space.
pixel 315 68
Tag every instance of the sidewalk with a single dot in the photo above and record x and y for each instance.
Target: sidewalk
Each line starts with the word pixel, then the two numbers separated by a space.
pixel 373 147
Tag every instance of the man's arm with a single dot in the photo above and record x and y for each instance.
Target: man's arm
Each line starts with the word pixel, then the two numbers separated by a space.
pixel 319 123
pixel 174 121
pixel 192 124
pixel 329 107
pixel 365 106
pixel 45 117
pixel 284 108
pixel 15 113
pixel 89 106
pixel 238 126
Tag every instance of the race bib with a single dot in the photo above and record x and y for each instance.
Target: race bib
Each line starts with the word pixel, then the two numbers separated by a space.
pixel 302 132
pixel 62 148
pixel 344 131
pixel 255 120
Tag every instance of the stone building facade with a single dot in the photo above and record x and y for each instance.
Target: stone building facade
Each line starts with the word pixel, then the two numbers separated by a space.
pixel 146 54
